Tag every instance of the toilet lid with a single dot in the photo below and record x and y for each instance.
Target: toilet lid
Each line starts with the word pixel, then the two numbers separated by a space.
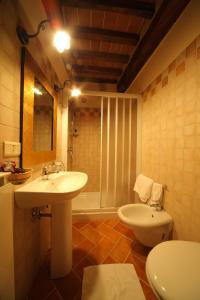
pixel 173 270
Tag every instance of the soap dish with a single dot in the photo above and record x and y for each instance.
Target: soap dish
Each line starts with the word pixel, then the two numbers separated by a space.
pixel 19 178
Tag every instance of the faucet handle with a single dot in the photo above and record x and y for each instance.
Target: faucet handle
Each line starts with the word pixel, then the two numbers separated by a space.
pixel 44 172
pixel 59 165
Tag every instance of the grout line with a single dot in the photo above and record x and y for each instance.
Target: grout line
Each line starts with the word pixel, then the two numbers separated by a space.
pixel 10 108
pixel 77 276
pixel 123 235
pixel 57 290
pixel 146 283
pixel 127 257
pixel 51 292
pixel 86 255
pixel 138 257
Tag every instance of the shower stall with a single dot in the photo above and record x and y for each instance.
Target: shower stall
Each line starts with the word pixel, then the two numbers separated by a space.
pixel 102 137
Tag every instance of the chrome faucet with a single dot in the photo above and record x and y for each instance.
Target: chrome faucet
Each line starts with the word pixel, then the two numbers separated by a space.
pixel 45 173
pixel 54 167
pixel 157 206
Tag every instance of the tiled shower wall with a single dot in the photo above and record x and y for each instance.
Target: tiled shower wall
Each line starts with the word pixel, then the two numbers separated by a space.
pixel 86 146
pixel 171 139
pixel 30 238
pixel 42 129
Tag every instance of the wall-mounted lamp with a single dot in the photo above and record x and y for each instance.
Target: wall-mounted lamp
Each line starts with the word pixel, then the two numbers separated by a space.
pixel 61 39
pixel 36 91
pixel 60 88
pixel 75 92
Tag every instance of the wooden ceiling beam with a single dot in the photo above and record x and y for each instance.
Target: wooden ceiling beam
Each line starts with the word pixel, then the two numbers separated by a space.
pixel 94 79
pixel 167 14
pixel 106 56
pixel 91 33
pixel 96 69
pixel 139 8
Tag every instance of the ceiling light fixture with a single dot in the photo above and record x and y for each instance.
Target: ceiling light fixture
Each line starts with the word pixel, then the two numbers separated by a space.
pixel 61 39
pixel 75 92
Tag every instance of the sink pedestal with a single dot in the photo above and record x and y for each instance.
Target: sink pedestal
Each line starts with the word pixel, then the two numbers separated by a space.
pixel 61 239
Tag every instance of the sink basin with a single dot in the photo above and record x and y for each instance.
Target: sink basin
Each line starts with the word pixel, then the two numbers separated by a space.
pixel 58 191
pixel 58 188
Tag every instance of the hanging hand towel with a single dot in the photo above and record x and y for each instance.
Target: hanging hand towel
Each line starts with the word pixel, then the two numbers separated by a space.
pixel 156 193
pixel 143 187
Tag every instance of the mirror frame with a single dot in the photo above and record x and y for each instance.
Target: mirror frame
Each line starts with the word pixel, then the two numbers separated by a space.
pixel 29 71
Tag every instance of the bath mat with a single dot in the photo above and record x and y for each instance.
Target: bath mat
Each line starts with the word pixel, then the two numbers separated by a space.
pixel 111 282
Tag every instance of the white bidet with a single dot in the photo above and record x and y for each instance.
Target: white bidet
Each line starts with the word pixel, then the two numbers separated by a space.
pixel 149 226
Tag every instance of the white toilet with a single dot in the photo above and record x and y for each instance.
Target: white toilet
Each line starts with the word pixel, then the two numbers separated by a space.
pixel 173 270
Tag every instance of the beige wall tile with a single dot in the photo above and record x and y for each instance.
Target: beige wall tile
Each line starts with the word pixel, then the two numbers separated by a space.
pixel 31 239
pixel 170 121
pixel 86 147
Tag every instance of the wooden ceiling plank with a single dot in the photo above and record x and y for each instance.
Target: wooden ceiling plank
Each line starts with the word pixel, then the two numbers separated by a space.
pixel 91 33
pixel 96 69
pixel 167 14
pixel 142 9
pixel 119 58
pixel 95 80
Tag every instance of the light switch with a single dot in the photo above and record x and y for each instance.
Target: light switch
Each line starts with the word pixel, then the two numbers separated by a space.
pixel 12 149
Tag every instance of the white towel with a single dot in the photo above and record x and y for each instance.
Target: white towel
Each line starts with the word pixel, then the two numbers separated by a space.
pixel 143 187
pixel 111 282
pixel 156 193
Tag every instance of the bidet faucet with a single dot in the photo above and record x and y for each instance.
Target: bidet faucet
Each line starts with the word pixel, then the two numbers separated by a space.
pixel 157 206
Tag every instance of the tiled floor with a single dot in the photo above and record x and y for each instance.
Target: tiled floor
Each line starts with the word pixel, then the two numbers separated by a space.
pixel 95 242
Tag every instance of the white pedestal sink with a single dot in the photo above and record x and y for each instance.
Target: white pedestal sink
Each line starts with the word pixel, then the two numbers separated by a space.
pixel 57 191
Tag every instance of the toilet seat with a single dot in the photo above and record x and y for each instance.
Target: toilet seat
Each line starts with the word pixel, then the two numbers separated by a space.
pixel 173 270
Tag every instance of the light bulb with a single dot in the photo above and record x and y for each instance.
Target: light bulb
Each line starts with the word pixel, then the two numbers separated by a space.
pixel 75 92
pixel 36 91
pixel 61 41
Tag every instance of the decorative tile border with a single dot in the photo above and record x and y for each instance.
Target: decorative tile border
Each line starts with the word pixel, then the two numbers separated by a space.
pixel 88 112
pixel 176 68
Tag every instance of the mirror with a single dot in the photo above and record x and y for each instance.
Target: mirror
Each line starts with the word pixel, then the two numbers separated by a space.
pixel 42 119
pixel 37 115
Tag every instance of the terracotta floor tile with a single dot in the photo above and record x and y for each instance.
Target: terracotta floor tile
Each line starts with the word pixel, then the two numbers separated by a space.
pixel 54 296
pixel 140 250
pixel 102 250
pixel 121 250
pixel 81 251
pixel 91 234
pixel 86 262
pixel 109 232
pixel 124 230
pixel 42 286
pixel 93 243
pixel 68 286
pixel 95 224
pixel 77 237
pixel 78 296
pixel 139 266
pixel 112 222
pixel 109 260
pixel 149 294
pixel 80 224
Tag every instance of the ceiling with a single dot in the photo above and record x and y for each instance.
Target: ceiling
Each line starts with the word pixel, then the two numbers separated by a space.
pixel 112 39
